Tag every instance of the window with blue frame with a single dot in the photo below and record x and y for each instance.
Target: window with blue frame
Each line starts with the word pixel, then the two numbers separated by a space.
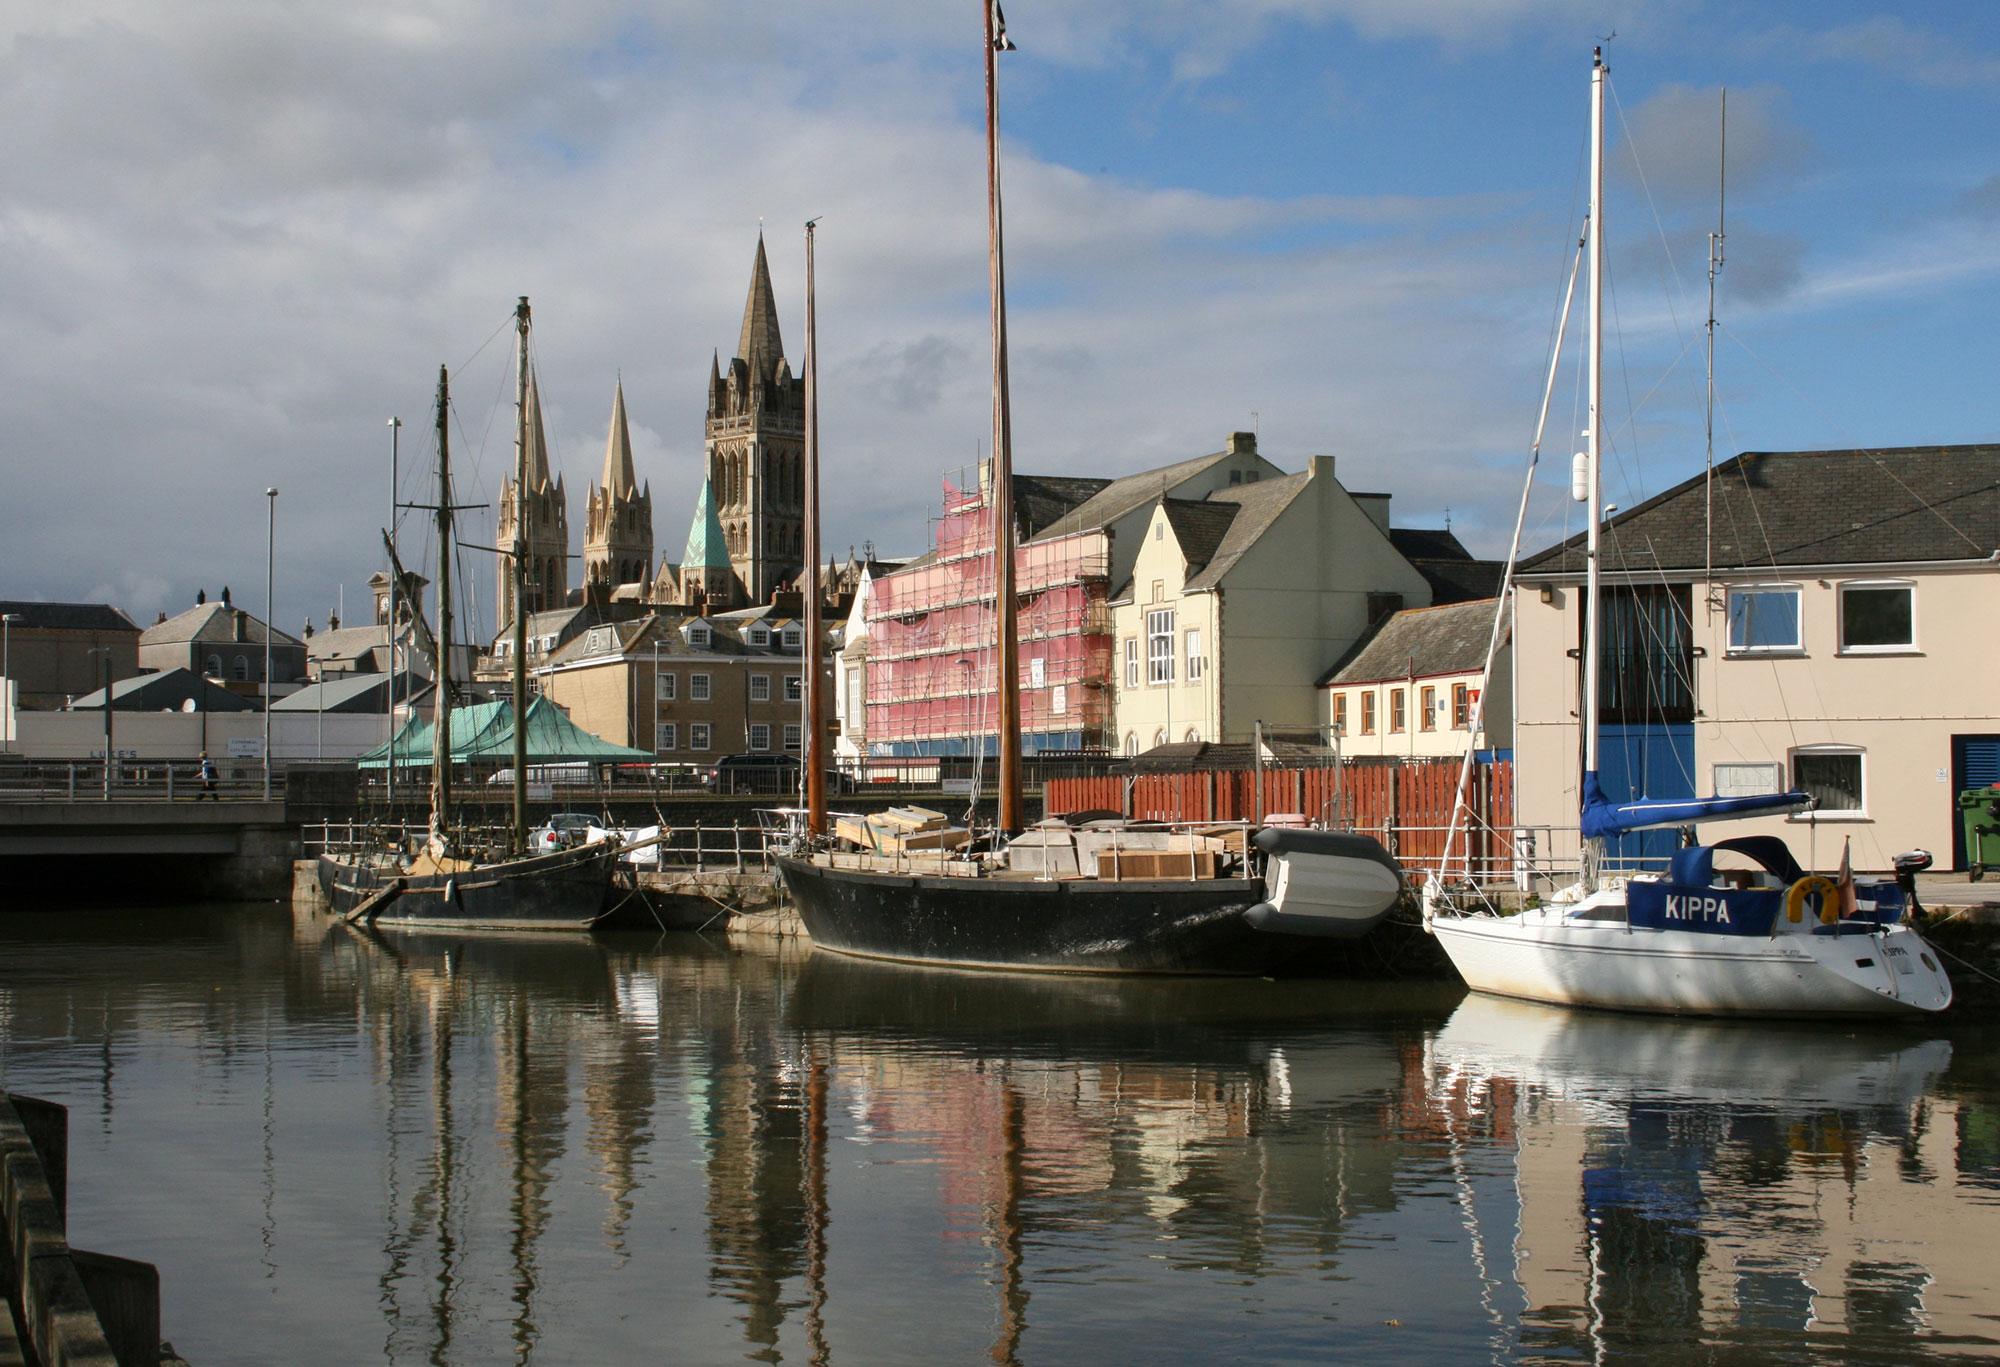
pixel 1764 619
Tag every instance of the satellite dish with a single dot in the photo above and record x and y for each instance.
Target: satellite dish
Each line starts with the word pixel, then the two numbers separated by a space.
pixel 187 704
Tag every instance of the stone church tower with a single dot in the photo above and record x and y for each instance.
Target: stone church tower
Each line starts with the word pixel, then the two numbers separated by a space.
pixel 618 517
pixel 544 514
pixel 756 450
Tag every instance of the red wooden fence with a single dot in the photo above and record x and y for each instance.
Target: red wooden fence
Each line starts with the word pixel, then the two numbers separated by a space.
pixel 1407 804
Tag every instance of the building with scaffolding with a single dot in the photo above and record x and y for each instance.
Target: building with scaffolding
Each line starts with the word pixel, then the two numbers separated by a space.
pixel 931 678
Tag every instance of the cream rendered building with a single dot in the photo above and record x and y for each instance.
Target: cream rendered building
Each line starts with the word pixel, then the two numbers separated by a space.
pixel 1237 603
pixel 1413 688
pixel 1842 640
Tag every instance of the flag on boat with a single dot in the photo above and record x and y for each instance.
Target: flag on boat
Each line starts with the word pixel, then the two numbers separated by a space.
pixel 1845 883
pixel 1001 42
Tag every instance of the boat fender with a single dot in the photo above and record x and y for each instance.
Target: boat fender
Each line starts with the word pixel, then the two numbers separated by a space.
pixel 451 891
pixel 1829 898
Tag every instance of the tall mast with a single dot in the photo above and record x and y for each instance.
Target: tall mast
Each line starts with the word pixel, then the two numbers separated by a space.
pixel 1593 598
pixel 519 839
pixel 1714 267
pixel 1005 615
pixel 809 585
pixel 441 695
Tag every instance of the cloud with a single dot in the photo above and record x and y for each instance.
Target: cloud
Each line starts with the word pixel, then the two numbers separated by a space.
pixel 1891 45
pixel 1676 141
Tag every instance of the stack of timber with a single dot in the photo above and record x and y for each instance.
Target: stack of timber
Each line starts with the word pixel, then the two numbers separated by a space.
pixel 902 830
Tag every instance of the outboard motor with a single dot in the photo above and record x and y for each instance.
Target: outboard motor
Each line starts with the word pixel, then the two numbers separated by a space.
pixel 1908 865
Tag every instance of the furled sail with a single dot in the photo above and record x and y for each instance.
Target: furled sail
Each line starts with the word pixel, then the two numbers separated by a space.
pixel 1603 818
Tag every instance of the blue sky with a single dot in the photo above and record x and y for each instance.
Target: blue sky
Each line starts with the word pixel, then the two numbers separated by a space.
pixel 239 236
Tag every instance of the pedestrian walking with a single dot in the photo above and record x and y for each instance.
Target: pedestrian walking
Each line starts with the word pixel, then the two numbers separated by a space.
pixel 207 778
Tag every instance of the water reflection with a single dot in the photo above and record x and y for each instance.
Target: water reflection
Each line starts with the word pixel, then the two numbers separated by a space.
pixel 450 1149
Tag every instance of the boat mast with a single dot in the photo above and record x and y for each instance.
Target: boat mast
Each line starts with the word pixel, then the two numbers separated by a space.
pixel 1005 613
pixel 809 585
pixel 1714 267
pixel 441 695
pixel 519 836
pixel 1593 597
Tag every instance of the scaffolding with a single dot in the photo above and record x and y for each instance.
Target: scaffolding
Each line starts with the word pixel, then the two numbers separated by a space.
pixel 931 674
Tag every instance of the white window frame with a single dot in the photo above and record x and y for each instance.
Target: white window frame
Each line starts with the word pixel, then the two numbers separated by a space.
pixel 700 687
pixel 792 638
pixel 760 688
pixel 1857 813
pixel 1797 646
pixel 665 687
pixel 1131 744
pixel 1908 586
pixel 1131 661
pixel 666 737
pixel 795 737
pixel 760 735
pixel 700 736
pixel 1159 737
pixel 795 688
pixel 1195 662
pixel 760 636
pixel 699 636
pixel 1160 646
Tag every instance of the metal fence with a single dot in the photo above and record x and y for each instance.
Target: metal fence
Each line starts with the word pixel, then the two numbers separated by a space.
pixel 157 780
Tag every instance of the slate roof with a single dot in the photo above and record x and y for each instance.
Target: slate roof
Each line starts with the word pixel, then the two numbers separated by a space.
pixel 1200 526
pixel 1261 504
pixel 66 616
pixel 211 622
pixel 1421 641
pixel 344 645
pixel 1120 496
pixel 164 691
pixel 365 693
pixel 1777 508
pixel 1182 756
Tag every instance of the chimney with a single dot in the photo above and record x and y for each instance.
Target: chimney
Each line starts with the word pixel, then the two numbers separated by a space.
pixel 1242 443
pixel 237 622
pixel 200 597
pixel 225 595
pixel 162 617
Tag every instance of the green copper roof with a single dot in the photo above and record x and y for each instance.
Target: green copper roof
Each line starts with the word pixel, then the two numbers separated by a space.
pixel 483 733
pixel 706 548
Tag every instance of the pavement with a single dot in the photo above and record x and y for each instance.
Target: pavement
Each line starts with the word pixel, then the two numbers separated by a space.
pixel 1936 890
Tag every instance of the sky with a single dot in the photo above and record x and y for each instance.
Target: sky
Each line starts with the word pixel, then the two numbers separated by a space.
pixel 236 237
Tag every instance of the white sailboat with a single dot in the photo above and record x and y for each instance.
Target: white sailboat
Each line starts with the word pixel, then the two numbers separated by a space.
pixel 1774 941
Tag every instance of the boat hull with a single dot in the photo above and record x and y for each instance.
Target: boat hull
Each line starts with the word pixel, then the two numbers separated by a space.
pixel 1056 926
pixel 1538 956
pixel 562 891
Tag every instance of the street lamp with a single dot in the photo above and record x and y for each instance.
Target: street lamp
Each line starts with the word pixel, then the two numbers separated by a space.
pixel 7 620
pixel 270 618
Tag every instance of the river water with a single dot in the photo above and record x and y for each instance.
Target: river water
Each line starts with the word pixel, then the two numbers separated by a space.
pixel 409 1148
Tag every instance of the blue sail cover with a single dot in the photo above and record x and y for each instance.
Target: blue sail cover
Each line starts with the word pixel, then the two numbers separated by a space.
pixel 1603 818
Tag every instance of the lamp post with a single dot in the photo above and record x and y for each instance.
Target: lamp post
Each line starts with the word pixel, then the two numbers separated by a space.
pixel 105 651
pixel 270 616
pixel 7 620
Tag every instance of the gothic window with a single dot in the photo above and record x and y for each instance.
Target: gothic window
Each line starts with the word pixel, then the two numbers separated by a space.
pixel 242 669
pixel 215 666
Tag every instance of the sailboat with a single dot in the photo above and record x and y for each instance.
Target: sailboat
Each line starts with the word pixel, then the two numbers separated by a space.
pixel 1698 940
pixel 1201 903
pixel 448 882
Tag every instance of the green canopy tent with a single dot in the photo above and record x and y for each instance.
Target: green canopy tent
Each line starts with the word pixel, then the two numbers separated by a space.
pixel 483 733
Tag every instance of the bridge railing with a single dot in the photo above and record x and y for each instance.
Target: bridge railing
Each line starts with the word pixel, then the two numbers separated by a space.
pixel 131 780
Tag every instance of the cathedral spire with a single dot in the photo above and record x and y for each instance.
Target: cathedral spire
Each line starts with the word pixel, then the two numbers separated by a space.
pixel 707 547
pixel 619 476
pixel 538 443
pixel 760 346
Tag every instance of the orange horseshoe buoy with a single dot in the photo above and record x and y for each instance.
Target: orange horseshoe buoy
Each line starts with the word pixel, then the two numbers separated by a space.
pixel 1829 898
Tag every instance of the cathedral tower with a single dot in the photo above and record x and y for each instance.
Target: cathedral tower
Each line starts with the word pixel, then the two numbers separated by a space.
pixel 543 510
pixel 756 450
pixel 618 518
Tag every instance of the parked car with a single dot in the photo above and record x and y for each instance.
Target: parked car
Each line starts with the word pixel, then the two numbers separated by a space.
pixel 771 774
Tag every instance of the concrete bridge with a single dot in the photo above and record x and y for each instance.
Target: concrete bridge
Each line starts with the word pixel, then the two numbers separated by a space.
pixel 110 851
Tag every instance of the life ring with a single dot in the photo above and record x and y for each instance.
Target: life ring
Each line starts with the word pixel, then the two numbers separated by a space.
pixel 1829 898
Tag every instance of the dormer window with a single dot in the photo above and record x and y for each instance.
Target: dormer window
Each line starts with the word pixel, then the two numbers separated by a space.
pixel 792 638
pixel 600 640
pixel 699 636
pixel 760 636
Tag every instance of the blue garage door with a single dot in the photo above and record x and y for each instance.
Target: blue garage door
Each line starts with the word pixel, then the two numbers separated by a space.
pixel 1975 763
